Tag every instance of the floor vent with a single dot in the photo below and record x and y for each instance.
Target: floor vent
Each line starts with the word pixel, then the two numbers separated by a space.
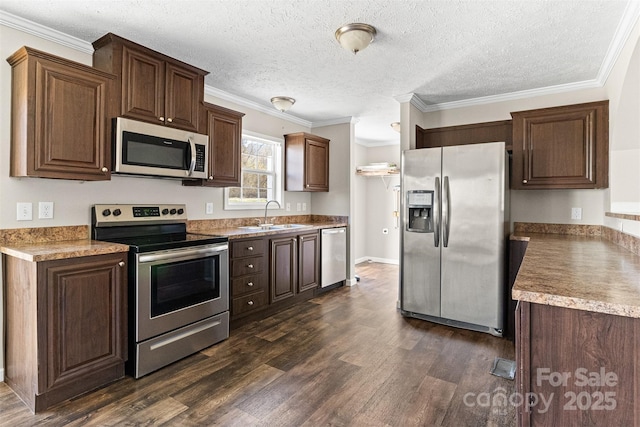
pixel 504 368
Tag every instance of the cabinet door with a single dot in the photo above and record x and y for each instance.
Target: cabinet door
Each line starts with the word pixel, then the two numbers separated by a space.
pixel 561 147
pixel 316 165
pixel 225 136
pixel 143 82
pixel 60 113
pixel 308 262
pixel 83 322
pixel 283 269
pixel 183 94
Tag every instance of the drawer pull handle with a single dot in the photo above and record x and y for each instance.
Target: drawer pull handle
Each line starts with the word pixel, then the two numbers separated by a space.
pixel 250 284
pixel 250 265
pixel 250 303
pixel 250 248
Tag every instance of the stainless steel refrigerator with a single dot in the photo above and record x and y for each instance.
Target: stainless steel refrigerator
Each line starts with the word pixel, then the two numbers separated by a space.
pixel 455 222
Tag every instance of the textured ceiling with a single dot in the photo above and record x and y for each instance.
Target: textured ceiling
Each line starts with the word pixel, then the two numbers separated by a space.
pixel 443 51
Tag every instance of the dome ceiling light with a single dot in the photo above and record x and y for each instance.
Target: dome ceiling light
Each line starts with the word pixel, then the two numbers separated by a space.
pixel 282 103
pixel 396 126
pixel 355 37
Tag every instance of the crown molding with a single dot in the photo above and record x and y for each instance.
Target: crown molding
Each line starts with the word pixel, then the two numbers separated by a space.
pixel 331 122
pixel 372 144
pixel 628 21
pixel 43 32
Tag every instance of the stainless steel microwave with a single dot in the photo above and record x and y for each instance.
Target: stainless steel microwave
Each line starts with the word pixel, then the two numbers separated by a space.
pixel 153 150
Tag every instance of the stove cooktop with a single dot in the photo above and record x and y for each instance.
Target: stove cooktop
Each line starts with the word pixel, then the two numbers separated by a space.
pixel 146 228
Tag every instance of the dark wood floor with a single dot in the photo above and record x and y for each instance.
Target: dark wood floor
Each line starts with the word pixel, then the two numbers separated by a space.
pixel 345 358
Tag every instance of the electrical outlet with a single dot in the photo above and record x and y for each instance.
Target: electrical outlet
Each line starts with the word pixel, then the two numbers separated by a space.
pixel 209 208
pixel 24 211
pixel 576 213
pixel 288 207
pixel 304 206
pixel 45 210
pixel 298 207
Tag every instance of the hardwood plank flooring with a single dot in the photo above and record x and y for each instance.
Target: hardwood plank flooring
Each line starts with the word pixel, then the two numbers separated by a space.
pixel 344 358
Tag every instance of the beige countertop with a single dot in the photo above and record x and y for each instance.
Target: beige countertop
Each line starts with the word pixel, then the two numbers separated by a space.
pixel 585 273
pixel 46 251
pixel 241 233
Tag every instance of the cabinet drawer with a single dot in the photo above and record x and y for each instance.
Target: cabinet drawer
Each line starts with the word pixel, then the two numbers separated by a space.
pixel 248 284
pixel 248 303
pixel 247 248
pixel 240 267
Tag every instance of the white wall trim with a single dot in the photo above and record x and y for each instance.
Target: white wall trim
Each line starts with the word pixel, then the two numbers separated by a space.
pixel 629 18
pixel 46 33
pixel 1 374
pixel 376 259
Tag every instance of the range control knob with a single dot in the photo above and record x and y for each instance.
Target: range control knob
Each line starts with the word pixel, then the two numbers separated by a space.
pixel 172 211
pixel 165 211
pixel 117 212
pixel 180 211
pixel 106 212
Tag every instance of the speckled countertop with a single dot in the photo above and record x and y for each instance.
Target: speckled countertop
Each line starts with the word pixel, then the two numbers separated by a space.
pixel 46 251
pixel 240 233
pixel 585 273
pixel 73 248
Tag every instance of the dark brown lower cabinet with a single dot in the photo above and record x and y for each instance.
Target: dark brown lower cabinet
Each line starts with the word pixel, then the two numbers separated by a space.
pixel 270 273
pixel 66 326
pixel 576 367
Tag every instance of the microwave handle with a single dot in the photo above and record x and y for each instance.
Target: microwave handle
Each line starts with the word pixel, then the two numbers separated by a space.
pixel 192 165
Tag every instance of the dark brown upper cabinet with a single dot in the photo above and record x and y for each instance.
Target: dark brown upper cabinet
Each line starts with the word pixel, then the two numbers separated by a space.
pixel 561 147
pixel 306 162
pixel 60 112
pixel 224 128
pixel 153 87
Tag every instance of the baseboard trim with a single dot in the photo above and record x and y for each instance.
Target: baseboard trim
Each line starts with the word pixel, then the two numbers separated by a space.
pixel 375 259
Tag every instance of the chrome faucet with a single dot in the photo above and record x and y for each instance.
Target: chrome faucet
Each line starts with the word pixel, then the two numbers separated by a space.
pixel 265 209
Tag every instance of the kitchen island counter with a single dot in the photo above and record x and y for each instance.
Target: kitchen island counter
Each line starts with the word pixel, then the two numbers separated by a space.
pixel 585 273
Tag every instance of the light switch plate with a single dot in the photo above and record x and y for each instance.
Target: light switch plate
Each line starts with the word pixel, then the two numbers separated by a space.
pixel 209 208
pixel 24 211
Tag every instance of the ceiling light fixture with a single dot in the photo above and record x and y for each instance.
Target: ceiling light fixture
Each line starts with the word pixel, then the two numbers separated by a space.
pixel 355 37
pixel 282 103
pixel 396 126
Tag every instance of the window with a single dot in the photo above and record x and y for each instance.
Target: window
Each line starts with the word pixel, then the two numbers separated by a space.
pixel 260 173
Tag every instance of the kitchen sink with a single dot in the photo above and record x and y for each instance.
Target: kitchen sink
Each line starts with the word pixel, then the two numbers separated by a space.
pixel 267 227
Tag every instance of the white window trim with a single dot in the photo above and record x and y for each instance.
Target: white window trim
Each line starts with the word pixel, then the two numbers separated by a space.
pixel 278 186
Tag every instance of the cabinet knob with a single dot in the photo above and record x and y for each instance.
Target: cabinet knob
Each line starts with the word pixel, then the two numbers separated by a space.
pixel 104 169
pixel 250 303
pixel 161 118
pixel 169 119
pixel 250 284
pixel 211 178
pixel 250 248
pixel 524 181
pixel 121 263
pixel 250 265
pixel 307 185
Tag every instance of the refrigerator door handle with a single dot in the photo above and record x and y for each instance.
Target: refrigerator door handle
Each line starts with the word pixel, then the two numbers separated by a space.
pixel 436 214
pixel 446 211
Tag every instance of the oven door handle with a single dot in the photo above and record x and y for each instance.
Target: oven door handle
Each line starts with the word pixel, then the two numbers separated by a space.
pixel 183 254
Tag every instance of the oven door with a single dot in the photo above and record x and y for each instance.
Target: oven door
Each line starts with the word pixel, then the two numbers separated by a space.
pixel 180 286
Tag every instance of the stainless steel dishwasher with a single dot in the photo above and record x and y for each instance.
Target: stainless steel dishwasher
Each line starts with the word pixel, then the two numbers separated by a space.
pixel 334 256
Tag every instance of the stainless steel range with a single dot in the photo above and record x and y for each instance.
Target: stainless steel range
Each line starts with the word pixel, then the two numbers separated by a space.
pixel 178 282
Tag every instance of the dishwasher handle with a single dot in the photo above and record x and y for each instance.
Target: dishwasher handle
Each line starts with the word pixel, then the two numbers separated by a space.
pixel 333 231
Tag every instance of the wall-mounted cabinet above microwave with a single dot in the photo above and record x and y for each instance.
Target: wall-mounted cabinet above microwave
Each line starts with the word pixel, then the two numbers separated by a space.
pixel 152 150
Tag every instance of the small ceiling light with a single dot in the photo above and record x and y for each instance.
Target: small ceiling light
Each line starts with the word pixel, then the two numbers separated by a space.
pixel 282 103
pixel 355 37
pixel 396 126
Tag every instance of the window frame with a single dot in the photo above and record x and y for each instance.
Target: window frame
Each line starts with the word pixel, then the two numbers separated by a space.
pixel 277 173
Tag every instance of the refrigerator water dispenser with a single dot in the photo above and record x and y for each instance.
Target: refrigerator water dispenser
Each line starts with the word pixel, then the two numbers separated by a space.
pixel 420 211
